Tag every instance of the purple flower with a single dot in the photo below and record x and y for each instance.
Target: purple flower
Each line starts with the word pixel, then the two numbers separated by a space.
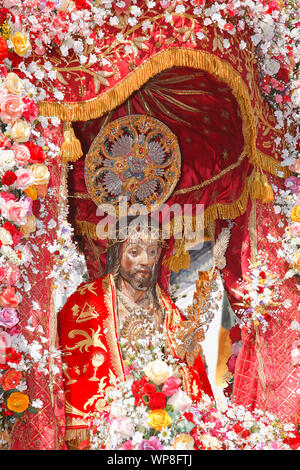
pixel 292 183
pixel 151 444
pixel 8 317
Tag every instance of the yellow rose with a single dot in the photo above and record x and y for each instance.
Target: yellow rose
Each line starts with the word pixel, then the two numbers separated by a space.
pixel 20 131
pixel 183 441
pixel 295 215
pixel 21 43
pixel 40 173
pixel 158 371
pixel 13 83
pixel 31 192
pixel 17 402
pixel 159 419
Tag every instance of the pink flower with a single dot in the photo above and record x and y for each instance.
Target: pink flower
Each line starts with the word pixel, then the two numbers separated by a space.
pixel 5 343
pixel 295 229
pixel 127 445
pixel 293 184
pixel 7 196
pixel 3 273
pixel 16 211
pixel 8 317
pixel 171 386
pixel 151 444
pixel 22 154
pixel 9 298
pixel 278 98
pixel 235 348
pixel 30 112
pixel 11 108
pixel 296 166
pixel 25 178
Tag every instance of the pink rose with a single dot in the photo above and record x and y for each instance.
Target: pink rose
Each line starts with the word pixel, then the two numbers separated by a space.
pixel 151 444
pixel 16 211
pixel 171 386
pixel 22 154
pixel 9 298
pixel 25 178
pixel 8 317
pixel 293 184
pixel 127 445
pixel 11 109
pixel 7 196
pixel 295 229
pixel 30 111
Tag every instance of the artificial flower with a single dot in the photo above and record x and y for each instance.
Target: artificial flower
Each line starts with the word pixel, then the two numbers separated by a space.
pixel 20 131
pixel 13 83
pixel 3 49
pixel 295 215
pixel 21 154
pixel 10 379
pixel 11 108
pixel 17 402
pixel 171 386
pixel 9 298
pixel 21 43
pixel 157 401
pixel 180 400
pixel 183 441
pixel 159 419
pixel 9 178
pixel 158 371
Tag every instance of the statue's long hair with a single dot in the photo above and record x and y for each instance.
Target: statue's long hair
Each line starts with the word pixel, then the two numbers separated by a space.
pixel 113 260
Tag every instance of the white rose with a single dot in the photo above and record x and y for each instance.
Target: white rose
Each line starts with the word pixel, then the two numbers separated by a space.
pixel 180 400
pixel 271 66
pixel 20 131
pixel 5 237
pixel 158 371
pixel 7 160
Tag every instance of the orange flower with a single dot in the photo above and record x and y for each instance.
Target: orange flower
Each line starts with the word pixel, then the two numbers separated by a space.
pixel 159 419
pixel 31 192
pixel 10 379
pixel 17 402
pixel 21 43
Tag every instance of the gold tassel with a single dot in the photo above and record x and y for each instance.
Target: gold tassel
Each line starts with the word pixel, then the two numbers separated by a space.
pixel 71 148
pixel 260 188
pixel 181 258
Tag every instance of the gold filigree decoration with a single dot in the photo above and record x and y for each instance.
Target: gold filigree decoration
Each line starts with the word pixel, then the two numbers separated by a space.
pixel 135 157
pixel 192 331
pixel 90 340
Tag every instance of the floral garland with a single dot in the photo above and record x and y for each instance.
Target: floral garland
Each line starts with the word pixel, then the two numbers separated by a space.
pixel 150 411
pixel 29 28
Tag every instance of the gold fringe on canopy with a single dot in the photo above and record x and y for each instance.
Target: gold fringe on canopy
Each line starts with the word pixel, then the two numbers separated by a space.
pixel 71 148
pixel 165 59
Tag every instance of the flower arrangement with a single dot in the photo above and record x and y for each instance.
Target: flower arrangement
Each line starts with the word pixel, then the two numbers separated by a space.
pixel 150 411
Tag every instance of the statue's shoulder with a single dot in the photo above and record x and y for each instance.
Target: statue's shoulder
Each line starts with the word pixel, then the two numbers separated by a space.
pixel 86 292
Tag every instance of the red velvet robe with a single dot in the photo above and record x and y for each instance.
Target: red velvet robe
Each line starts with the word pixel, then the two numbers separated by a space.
pixel 88 327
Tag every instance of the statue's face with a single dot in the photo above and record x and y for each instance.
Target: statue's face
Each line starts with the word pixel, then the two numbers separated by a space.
pixel 138 259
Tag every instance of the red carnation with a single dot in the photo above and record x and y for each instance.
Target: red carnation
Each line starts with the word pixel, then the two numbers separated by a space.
pixel 15 233
pixel 9 178
pixel 36 153
pixel 82 5
pixel 148 389
pixel 13 356
pixel 3 49
pixel 136 389
pixel 157 401
pixel 235 334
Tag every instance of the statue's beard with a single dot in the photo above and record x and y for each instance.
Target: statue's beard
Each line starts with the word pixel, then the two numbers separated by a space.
pixel 136 279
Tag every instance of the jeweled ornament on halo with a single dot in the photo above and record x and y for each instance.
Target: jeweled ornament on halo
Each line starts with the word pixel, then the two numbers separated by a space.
pixel 136 157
